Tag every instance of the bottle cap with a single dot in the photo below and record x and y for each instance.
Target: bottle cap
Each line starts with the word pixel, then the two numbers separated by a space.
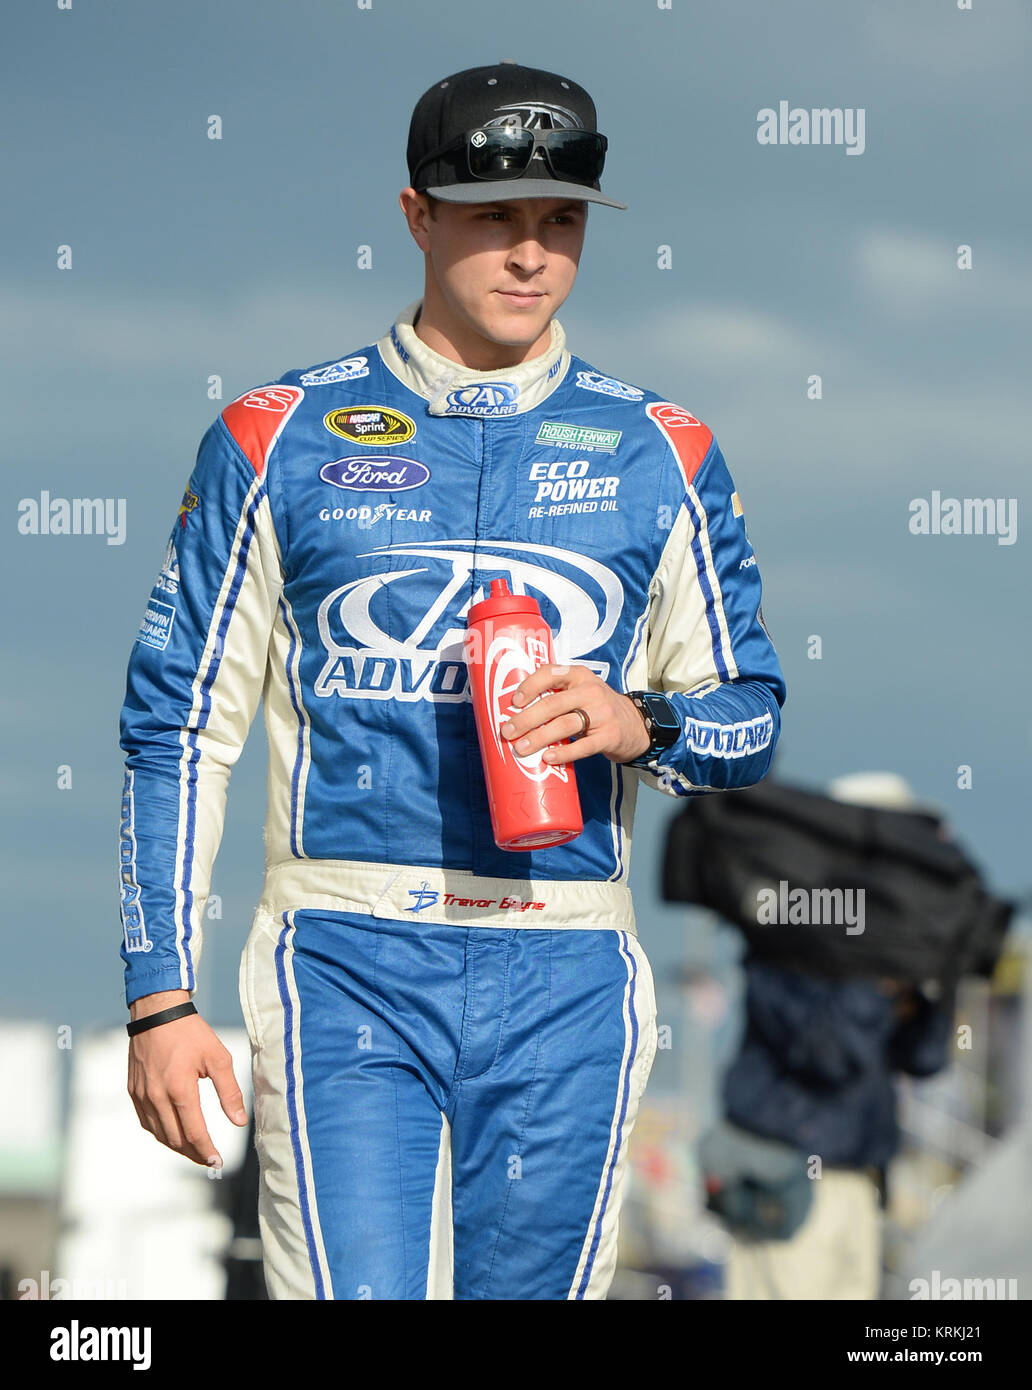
pixel 502 604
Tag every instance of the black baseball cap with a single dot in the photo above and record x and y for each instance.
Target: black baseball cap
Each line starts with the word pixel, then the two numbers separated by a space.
pixel 505 94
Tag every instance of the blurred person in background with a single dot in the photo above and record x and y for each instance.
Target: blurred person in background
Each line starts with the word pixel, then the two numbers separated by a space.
pixel 816 1075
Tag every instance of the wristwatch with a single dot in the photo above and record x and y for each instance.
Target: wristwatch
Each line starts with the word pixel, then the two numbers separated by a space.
pixel 661 722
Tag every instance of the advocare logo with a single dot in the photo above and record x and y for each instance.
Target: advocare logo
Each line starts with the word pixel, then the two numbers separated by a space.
pixel 368 473
pixel 399 633
pixel 484 398
pixel 609 386
pixel 133 925
pixel 347 369
pixel 535 115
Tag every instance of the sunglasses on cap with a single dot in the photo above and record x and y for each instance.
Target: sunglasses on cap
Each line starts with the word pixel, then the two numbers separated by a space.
pixel 505 152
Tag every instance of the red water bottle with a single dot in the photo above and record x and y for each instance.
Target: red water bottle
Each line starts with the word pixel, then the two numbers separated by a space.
pixel 534 804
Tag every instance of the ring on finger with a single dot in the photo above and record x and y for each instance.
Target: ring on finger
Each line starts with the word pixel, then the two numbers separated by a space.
pixel 585 722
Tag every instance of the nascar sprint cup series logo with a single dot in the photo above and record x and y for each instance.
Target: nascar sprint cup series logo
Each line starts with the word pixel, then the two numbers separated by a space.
pixel 420 656
pixel 371 424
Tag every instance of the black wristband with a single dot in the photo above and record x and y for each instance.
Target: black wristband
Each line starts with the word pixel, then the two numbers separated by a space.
pixel 141 1025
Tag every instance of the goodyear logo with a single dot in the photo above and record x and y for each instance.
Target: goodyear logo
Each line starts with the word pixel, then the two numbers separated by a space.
pixel 577 436
pixel 370 424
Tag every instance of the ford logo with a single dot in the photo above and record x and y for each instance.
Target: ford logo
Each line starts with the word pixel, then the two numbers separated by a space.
pixel 368 474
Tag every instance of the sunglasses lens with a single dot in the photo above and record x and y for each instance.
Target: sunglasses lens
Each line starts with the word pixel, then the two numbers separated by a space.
pixel 503 152
pixel 500 152
pixel 578 154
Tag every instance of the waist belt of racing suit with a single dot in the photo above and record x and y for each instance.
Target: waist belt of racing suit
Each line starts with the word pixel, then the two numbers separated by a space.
pixel 403 892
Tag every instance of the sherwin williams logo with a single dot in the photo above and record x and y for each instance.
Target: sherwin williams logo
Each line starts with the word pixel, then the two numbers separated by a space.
pixel 577 436
pixel 156 627
pixel 487 398
pixel 371 424
pixel 369 474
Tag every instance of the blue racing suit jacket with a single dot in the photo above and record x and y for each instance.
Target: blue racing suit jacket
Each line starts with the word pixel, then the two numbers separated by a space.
pixel 335 531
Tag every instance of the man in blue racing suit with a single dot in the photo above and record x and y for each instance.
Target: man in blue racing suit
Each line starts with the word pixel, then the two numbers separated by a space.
pixel 450 1041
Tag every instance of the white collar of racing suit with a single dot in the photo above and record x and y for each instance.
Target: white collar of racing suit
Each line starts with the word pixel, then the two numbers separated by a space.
pixel 516 389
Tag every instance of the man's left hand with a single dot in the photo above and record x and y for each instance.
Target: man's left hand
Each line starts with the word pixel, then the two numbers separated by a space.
pixel 615 727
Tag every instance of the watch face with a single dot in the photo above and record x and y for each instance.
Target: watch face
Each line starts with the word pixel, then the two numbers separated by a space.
pixel 663 715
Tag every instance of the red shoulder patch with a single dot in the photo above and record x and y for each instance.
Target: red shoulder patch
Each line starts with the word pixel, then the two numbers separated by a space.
pixel 256 419
pixel 689 438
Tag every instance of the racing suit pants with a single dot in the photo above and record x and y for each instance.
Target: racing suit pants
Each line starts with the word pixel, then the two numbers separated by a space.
pixel 442 1111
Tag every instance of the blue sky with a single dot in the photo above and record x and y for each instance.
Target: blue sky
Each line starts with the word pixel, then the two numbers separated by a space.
pixel 238 257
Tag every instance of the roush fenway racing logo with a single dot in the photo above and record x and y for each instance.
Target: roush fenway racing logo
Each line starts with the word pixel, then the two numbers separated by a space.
pixel 506 666
pixel 399 633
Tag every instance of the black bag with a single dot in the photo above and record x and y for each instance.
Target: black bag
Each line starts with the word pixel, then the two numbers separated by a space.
pixel 759 1187
pixel 927 915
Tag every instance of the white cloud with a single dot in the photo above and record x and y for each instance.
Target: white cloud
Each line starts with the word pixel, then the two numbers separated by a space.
pixel 744 372
pixel 943 41
pixel 912 272
pixel 128 332
pixel 731 335
pixel 716 339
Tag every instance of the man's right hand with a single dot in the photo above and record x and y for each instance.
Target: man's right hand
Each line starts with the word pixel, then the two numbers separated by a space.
pixel 165 1065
